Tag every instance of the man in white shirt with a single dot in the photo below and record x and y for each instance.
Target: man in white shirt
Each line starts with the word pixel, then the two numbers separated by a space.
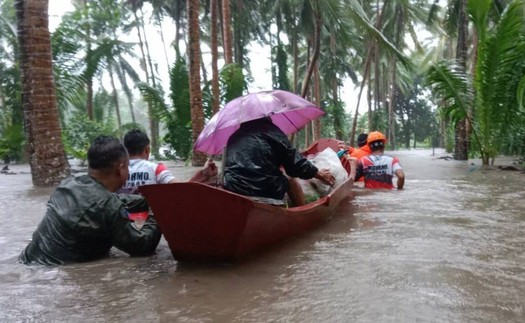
pixel 144 172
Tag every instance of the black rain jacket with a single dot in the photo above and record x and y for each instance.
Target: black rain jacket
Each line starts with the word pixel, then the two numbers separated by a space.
pixel 84 220
pixel 254 155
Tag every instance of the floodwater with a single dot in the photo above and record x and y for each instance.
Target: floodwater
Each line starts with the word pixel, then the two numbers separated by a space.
pixel 448 248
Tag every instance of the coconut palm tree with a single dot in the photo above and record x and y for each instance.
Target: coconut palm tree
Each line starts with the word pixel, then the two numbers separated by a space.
pixel 194 54
pixel 214 19
pixel 46 151
pixel 227 32
pixel 492 92
pixel 461 147
pixel 147 66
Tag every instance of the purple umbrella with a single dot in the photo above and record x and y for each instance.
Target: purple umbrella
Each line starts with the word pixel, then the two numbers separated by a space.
pixel 287 110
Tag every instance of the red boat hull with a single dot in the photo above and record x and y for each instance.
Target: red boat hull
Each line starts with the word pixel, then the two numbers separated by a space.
pixel 205 223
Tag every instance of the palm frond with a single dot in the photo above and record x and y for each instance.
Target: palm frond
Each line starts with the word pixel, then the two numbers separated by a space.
pixel 355 10
pixel 450 83
pixel 499 66
pixel 155 97
pixel 479 13
pixel 520 95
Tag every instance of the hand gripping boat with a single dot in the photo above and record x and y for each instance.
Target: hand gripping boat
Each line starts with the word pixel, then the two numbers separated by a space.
pixel 206 223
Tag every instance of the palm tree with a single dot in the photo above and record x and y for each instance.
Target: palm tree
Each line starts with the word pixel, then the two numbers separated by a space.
pixel 194 54
pixel 226 32
pixel 491 93
pixel 147 65
pixel 46 152
pixel 379 46
pixel 214 55
pixel 89 78
pixel 461 148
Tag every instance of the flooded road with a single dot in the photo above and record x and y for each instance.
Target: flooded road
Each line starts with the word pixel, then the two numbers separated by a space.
pixel 448 248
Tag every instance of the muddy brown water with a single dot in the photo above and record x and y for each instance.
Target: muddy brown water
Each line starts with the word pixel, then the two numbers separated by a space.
pixel 448 248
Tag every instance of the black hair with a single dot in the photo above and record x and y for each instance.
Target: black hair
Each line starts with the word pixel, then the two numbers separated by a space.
pixel 136 141
pixel 377 145
pixel 361 139
pixel 104 152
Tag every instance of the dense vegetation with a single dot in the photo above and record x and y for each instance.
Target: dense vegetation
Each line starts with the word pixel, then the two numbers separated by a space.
pixel 447 73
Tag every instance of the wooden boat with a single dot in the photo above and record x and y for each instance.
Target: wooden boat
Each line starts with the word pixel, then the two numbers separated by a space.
pixel 206 223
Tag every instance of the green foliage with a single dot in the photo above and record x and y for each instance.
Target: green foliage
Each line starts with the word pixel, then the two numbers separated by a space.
pixel 335 122
pixel 12 143
pixel 69 83
pixel 416 119
pixel 232 82
pixel 10 86
pixel 452 86
pixel 179 121
pixel 280 68
pixel 520 95
pixel 497 81
pixel 177 116
pixel 80 132
pixel 103 107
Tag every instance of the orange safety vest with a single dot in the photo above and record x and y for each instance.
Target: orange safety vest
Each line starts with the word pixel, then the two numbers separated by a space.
pixel 360 153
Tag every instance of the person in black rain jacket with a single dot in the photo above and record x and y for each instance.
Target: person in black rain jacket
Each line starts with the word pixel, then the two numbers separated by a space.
pixel 255 154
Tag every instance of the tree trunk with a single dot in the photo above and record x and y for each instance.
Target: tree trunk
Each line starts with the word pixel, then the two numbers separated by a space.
pixel 462 142
pixel 392 93
pixel 89 81
pixel 214 57
pixel 197 113
pixel 115 101
pixel 295 62
pixel 204 72
pixel 307 136
pixel 366 74
pixel 237 39
pixel 127 91
pixel 315 53
pixel 376 89
pixel 47 159
pixel 176 41
pixel 144 66
pixel 159 20
pixel 338 124
pixel 317 122
pixel 391 103
pixel 227 32
pixel 154 122
pixel 150 79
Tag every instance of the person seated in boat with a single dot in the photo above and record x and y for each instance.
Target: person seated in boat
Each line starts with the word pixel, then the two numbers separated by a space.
pixel 142 171
pixel 255 155
pixel 379 169
pixel 84 217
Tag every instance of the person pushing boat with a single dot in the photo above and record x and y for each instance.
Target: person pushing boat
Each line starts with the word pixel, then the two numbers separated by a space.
pixel 84 218
pixel 379 169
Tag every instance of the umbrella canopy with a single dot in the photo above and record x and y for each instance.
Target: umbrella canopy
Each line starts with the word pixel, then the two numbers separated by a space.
pixel 287 110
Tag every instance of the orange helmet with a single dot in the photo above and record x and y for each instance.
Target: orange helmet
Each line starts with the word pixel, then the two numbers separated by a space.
pixel 375 136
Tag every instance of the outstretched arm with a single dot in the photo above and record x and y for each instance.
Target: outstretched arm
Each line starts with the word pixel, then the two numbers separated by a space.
pixel 325 176
pixel 400 179
pixel 206 174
